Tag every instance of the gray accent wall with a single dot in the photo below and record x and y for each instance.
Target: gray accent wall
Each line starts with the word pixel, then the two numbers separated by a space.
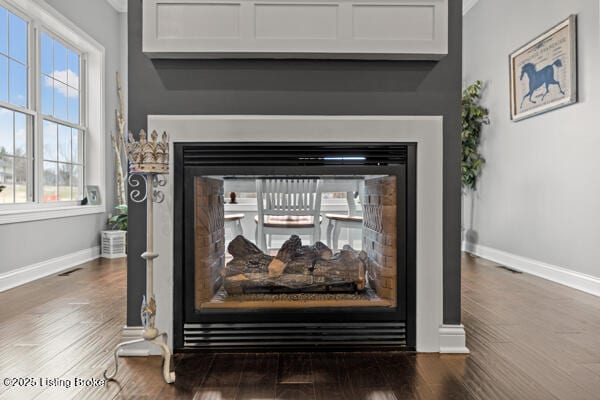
pixel 539 190
pixel 302 87
pixel 23 244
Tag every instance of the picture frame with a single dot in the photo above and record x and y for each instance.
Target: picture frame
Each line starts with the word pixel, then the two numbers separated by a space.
pixel 92 192
pixel 543 72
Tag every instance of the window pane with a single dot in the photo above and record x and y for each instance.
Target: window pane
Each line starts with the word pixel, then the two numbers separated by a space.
pixel 73 106
pixel 6 179
pixel 77 146
pixel 60 100
pixel 60 62
pixel 64 182
pixel 46 54
pixel 77 182
pixel 47 89
pixel 73 75
pixel 17 93
pixel 49 181
pixel 20 180
pixel 3 31
pixel 3 78
pixel 6 131
pixel 64 143
pixel 50 140
pixel 17 46
pixel 20 134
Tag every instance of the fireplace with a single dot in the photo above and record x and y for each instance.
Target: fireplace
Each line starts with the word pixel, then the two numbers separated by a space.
pixel 287 284
pixel 425 133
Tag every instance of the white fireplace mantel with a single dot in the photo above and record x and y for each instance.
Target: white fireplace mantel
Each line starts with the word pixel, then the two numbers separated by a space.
pixel 325 29
pixel 425 131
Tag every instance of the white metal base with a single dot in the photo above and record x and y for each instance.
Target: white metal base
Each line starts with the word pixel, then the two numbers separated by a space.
pixel 141 349
pixel 160 340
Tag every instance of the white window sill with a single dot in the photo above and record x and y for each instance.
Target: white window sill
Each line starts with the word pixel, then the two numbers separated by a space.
pixel 42 213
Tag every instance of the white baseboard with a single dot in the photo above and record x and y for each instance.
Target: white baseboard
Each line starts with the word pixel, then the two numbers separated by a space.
pixel 141 349
pixel 23 275
pixel 453 339
pixel 576 280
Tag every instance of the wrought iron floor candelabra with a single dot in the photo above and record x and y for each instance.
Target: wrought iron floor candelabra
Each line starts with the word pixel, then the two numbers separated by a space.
pixel 152 194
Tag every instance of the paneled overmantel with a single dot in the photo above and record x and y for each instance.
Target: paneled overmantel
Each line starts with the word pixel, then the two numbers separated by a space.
pixel 339 29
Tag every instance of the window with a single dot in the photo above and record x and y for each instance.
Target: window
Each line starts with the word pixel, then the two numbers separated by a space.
pixel 14 125
pixel 63 162
pixel 13 58
pixel 13 156
pixel 62 134
pixel 59 80
pixel 49 113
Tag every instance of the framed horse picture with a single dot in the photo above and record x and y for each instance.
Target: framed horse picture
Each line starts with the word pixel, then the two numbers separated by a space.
pixel 543 73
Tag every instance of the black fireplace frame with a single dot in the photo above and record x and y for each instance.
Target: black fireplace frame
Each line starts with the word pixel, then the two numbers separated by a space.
pixel 339 328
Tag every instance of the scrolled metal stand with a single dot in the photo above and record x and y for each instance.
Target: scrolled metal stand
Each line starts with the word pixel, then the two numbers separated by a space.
pixel 152 195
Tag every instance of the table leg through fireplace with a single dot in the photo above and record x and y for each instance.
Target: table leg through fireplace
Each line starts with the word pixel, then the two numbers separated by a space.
pixel 153 182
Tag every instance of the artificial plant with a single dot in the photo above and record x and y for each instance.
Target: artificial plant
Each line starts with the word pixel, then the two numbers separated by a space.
pixel 474 116
pixel 119 221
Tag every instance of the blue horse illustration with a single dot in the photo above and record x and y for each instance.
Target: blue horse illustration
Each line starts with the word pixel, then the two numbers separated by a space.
pixel 537 79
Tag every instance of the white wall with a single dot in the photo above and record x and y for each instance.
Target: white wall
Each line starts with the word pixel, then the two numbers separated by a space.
pixel 539 194
pixel 24 244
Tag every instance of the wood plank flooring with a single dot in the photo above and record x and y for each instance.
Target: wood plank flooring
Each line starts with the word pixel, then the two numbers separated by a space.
pixel 529 339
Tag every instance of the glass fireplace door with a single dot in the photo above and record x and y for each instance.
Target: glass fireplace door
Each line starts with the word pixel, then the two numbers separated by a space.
pixel 295 241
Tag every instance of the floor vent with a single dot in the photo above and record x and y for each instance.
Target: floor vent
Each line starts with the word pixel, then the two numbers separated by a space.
pixel 514 271
pixel 69 272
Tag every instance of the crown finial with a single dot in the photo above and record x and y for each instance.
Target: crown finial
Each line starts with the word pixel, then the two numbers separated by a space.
pixel 150 156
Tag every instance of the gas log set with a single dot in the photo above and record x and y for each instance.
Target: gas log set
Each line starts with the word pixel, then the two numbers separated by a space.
pixel 295 269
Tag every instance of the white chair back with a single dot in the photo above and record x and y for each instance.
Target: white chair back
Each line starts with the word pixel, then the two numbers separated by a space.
pixel 289 196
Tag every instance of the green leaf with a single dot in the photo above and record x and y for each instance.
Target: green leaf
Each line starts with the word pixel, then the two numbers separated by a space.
pixel 474 116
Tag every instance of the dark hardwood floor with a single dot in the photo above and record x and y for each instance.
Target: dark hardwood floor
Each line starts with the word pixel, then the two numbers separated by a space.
pixel 529 339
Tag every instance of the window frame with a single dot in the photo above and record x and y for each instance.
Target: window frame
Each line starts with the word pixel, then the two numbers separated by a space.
pixel 41 17
pixel 29 111
pixel 39 167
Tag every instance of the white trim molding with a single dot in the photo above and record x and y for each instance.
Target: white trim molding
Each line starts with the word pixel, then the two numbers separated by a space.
pixel 467 5
pixel 29 273
pixel 40 213
pixel 453 339
pixel 425 131
pixel 119 5
pixel 141 349
pixel 576 280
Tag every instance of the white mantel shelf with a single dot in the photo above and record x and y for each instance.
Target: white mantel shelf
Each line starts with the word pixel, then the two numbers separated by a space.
pixel 339 29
